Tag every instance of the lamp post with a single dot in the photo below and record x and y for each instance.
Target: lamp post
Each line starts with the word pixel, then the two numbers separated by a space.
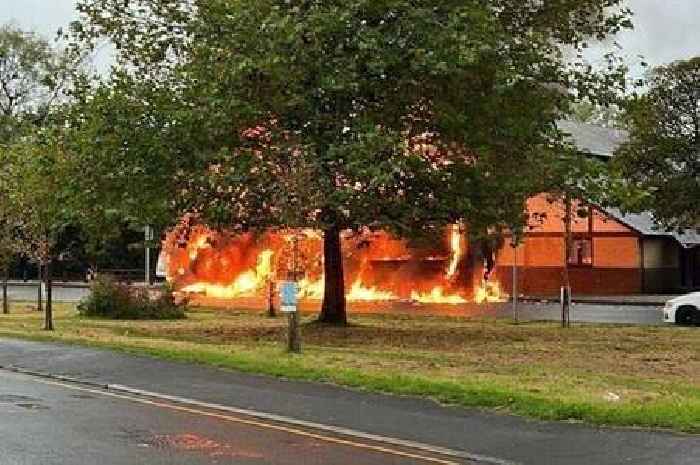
pixel 515 278
pixel 148 236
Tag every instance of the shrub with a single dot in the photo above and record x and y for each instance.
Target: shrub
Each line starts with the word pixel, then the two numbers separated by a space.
pixel 110 299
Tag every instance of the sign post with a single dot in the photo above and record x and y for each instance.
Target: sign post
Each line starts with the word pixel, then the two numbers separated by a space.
pixel 515 280
pixel 288 305
pixel 148 236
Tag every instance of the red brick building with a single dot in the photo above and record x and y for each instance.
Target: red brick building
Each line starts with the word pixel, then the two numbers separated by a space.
pixel 611 253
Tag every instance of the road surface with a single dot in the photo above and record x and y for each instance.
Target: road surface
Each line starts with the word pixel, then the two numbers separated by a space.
pixel 48 423
pixel 582 312
pixel 113 425
pixel 28 292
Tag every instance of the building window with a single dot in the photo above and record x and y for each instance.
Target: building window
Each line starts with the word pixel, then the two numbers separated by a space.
pixel 581 252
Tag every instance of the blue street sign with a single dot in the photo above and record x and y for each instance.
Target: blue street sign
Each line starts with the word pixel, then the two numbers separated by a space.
pixel 288 296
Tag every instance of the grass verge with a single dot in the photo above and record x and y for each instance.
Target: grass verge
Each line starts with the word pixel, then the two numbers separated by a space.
pixel 600 374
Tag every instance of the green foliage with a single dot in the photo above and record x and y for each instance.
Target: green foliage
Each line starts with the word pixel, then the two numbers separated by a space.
pixel 609 117
pixel 662 158
pixel 339 87
pixel 34 79
pixel 35 82
pixel 113 300
pixel 37 193
pixel 393 114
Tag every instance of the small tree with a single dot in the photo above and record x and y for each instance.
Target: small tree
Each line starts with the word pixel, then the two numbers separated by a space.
pixel 662 157
pixel 40 200
pixel 9 243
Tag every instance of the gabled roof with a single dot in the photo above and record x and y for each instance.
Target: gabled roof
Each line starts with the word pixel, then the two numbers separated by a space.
pixel 644 224
pixel 603 142
pixel 593 139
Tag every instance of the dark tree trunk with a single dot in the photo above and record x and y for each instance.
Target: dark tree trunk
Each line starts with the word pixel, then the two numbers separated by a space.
pixel 5 301
pixel 48 326
pixel 333 308
pixel 39 304
pixel 271 299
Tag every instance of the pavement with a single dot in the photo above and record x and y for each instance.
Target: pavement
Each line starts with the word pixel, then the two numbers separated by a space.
pixel 634 310
pixel 587 313
pixel 629 299
pixel 482 437
pixel 60 292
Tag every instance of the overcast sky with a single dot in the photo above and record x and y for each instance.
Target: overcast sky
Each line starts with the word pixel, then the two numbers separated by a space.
pixel 665 30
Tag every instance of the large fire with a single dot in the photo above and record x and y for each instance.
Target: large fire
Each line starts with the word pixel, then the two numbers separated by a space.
pixel 379 267
pixel 250 282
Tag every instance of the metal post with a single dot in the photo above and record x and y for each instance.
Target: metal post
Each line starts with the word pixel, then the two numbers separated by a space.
pixel 294 335
pixel 148 234
pixel 568 308
pixel 515 281
pixel 40 306
pixel 565 297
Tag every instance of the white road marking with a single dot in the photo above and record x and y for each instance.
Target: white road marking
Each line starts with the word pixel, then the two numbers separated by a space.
pixel 136 395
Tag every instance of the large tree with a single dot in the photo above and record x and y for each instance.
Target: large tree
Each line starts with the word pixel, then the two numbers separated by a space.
pixel 35 80
pixel 339 115
pixel 662 158
pixel 39 199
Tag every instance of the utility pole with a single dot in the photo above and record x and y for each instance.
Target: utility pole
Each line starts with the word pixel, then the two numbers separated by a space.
pixel 40 306
pixel 515 278
pixel 148 237
pixel 566 288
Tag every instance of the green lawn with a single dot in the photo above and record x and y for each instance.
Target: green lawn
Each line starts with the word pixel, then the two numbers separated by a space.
pixel 602 374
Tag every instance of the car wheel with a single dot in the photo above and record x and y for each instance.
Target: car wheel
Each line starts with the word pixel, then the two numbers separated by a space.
pixel 687 315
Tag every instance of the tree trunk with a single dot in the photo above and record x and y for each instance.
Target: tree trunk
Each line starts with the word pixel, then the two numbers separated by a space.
pixel 271 299
pixel 39 305
pixel 333 307
pixel 48 326
pixel 5 301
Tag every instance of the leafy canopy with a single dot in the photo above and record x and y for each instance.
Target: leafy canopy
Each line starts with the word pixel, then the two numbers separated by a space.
pixel 390 113
pixel 662 158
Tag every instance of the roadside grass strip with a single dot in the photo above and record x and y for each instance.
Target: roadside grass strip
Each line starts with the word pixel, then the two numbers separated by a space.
pixel 599 374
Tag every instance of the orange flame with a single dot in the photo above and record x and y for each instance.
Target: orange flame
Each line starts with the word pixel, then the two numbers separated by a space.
pixel 360 293
pixel 312 290
pixel 247 284
pixel 489 291
pixel 381 267
pixel 455 249
pixel 437 296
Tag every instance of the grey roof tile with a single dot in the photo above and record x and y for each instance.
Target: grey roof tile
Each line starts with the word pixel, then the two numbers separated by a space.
pixel 645 224
pixel 590 138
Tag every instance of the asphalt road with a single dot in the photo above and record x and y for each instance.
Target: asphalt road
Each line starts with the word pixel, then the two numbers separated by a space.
pixel 48 423
pixel 97 422
pixel 28 293
pixel 588 313
pixel 582 312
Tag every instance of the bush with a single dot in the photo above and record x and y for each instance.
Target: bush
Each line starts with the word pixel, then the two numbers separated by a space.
pixel 110 299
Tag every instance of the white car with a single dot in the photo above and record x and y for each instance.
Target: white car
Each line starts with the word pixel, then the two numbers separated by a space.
pixel 683 310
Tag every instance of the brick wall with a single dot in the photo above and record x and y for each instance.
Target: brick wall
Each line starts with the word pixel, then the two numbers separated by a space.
pixel 546 281
pixel 540 258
